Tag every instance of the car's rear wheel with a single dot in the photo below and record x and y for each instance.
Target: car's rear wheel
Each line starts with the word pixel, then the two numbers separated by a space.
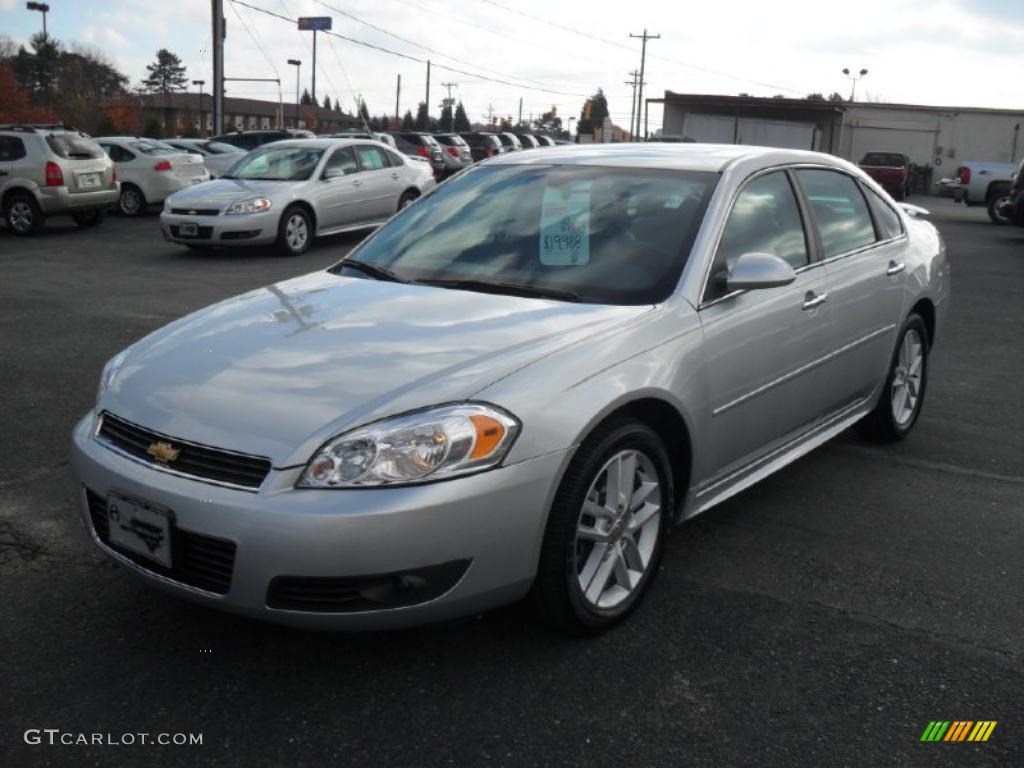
pixel 131 202
pixel 294 232
pixel 23 215
pixel 407 198
pixel 903 396
pixel 89 218
pixel 995 202
pixel 604 534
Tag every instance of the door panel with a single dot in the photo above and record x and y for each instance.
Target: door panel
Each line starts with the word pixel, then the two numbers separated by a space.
pixel 339 200
pixel 381 183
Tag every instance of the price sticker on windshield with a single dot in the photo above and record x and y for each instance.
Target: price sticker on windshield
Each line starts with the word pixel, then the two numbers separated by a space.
pixel 565 227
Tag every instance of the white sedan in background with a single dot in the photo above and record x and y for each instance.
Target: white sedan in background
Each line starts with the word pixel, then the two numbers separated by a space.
pixel 217 156
pixel 288 192
pixel 150 170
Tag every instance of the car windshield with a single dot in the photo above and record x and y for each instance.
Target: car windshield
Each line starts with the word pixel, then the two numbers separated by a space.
pixel 153 147
pixel 601 235
pixel 219 148
pixel 277 163
pixel 74 146
pixel 883 159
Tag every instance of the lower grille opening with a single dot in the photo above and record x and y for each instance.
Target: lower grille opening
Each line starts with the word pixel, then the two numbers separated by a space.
pixel 350 594
pixel 199 561
pixel 242 234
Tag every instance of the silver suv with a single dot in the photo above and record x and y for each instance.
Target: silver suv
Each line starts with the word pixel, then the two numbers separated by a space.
pixel 48 170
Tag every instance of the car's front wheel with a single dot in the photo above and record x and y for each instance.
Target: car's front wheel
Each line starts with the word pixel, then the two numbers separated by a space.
pixel 131 202
pixel 89 218
pixel 23 214
pixel 604 535
pixel 900 402
pixel 294 232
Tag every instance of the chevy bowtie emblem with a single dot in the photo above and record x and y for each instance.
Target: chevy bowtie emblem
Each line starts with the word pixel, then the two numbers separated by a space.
pixel 164 452
pixel 192 213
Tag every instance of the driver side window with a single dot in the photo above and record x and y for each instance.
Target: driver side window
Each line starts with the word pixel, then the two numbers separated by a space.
pixel 764 219
pixel 343 159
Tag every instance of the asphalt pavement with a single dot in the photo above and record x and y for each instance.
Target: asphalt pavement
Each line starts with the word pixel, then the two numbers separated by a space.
pixel 822 618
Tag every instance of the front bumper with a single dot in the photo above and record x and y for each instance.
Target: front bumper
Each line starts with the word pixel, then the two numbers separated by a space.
pixel 492 522
pixel 242 229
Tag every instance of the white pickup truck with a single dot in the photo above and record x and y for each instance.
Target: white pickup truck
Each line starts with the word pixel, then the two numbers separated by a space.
pixel 985 184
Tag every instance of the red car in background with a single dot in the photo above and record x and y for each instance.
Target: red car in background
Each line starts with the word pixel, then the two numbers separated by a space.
pixel 891 170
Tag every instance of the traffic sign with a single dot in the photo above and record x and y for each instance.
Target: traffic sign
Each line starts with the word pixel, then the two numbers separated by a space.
pixel 314 22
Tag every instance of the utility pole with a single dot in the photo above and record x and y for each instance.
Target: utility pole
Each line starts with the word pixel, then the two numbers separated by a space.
pixel 428 95
pixel 217 9
pixel 632 105
pixel 316 107
pixel 643 61
pixel 520 112
pixel 297 63
pixel 450 103
pixel 398 96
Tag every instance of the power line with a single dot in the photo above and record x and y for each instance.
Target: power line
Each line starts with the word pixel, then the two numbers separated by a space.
pixel 406 56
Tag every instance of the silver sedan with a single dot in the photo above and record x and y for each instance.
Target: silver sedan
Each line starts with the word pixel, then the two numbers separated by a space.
pixel 515 387
pixel 289 192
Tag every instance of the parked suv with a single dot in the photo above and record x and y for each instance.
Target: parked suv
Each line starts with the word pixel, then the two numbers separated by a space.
pixel 48 170
pixel 455 152
pixel 510 141
pixel 483 145
pixel 251 139
pixel 418 144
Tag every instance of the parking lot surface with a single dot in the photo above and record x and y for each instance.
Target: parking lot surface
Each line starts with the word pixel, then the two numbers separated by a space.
pixel 821 618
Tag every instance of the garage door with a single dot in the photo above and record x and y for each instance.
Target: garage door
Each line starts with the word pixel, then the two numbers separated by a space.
pixel 918 145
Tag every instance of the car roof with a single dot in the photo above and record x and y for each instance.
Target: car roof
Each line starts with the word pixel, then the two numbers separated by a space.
pixel 688 156
pixel 323 142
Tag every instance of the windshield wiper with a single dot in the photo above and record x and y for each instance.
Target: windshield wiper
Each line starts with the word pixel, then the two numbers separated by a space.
pixel 513 289
pixel 372 270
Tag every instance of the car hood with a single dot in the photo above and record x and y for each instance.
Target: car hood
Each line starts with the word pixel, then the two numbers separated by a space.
pixel 276 371
pixel 226 191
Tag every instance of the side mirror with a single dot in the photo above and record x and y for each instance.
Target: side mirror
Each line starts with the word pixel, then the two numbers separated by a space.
pixel 759 270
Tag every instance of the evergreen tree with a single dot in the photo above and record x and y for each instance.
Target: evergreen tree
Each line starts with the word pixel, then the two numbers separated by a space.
pixel 364 113
pixel 422 117
pixel 305 99
pixel 461 120
pixel 166 74
pixel 327 102
pixel 153 129
pixel 445 122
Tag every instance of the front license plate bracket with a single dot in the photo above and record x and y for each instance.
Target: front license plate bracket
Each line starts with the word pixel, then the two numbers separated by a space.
pixel 141 528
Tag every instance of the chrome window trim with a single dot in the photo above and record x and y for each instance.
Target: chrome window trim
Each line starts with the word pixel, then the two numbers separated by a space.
pixel 801 370
pixel 783 168
pixel 863 249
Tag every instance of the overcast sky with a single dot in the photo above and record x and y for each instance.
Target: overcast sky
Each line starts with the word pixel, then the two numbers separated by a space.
pixel 946 52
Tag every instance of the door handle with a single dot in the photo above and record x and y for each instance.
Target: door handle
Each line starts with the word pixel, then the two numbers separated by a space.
pixel 356 182
pixel 895 268
pixel 394 175
pixel 812 300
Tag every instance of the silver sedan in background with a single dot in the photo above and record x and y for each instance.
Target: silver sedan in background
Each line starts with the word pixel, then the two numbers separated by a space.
pixel 217 156
pixel 515 387
pixel 289 192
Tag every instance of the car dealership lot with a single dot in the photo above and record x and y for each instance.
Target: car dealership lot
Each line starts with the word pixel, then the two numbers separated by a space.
pixel 823 617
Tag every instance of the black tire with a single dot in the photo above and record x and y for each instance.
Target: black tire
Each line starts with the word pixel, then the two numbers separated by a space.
pixel 882 424
pixel 23 215
pixel 131 202
pixel 407 197
pixel 89 218
pixel 289 243
pixel 556 594
pixel 995 200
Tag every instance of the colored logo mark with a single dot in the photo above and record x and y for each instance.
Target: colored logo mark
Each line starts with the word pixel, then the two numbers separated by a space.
pixel 958 730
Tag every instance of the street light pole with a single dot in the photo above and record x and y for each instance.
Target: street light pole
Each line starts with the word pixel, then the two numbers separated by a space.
pixel 854 79
pixel 42 8
pixel 298 66
pixel 202 123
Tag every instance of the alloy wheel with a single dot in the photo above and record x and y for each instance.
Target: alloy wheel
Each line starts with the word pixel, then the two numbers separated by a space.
pixel 617 530
pixel 906 377
pixel 130 202
pixel 296 232
pixel 20 216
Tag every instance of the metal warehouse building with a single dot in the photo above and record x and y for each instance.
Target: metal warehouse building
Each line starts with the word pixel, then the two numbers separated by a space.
pixel 939 138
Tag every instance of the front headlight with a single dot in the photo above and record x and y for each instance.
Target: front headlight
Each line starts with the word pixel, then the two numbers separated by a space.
pixel 252 205
pixel 167 204
pixel 431 445
pixel 110 371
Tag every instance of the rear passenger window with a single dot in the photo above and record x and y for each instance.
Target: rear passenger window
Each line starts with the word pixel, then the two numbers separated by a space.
pixel 888 220
pixel 839 209
pixel 764 219
pixel 371 158
pixel 11 148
